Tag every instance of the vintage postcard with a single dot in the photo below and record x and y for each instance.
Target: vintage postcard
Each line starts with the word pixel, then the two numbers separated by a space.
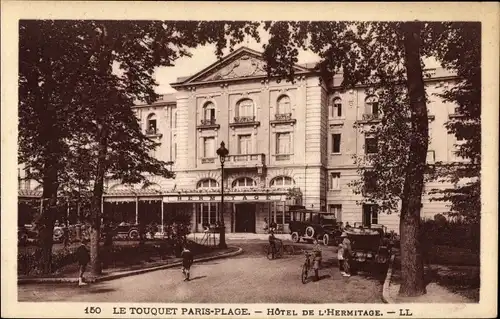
pixel 262 160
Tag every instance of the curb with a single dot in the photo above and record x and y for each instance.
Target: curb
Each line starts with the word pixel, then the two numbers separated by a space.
pixel 126 273
pixel 386 297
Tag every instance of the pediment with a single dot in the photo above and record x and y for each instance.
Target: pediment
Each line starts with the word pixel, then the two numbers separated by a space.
pixel 243 63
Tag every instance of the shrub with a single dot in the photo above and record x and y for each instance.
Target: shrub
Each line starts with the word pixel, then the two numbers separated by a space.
pixel 452 233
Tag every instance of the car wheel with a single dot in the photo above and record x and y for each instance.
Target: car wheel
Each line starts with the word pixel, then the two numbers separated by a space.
pixel 133 234
pixel 295 237
pixel 310 232
pixel 326 239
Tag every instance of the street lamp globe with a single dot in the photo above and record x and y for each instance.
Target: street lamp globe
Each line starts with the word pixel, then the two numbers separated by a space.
pixel 222 152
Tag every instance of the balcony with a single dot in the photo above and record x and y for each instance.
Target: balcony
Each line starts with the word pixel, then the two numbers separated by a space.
pixel 208 124
pixel 153 132
pixel 245 161
pixel 370 117
pixel 240 121
pixel 283 118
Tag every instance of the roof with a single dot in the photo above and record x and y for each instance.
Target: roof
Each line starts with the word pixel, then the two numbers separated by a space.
pixel 230 57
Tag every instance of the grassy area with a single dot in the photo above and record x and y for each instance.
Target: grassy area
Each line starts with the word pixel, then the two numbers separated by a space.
pixel 457 269
pixel 122 255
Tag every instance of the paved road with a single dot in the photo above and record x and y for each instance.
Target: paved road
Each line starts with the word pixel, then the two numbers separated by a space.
pixel 248 278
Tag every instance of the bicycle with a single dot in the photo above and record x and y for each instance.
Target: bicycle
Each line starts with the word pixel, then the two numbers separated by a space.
pixel 306 267
pixel 280 250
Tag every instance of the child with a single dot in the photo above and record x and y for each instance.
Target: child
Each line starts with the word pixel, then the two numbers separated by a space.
pixel 346 248
pixel 187 261
pixel 340 257
pixel 317 259
pixel 83 258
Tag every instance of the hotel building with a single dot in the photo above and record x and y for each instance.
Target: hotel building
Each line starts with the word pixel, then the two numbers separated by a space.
pixel 284 139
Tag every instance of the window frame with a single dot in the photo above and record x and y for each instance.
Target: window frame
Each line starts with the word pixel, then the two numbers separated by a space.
pixel 370 102
pixel 332 178
pixel 210 181
pixel 235 183
pixel 273 183
pixel 367 145
pixel 339 143
pixel 249 147
pixel 212 154
pixel 250 106
pixel 336 108
pixel 279 103
pixel 278 144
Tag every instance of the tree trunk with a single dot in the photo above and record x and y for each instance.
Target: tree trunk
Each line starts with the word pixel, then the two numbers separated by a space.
pixel 412 267
pixel 47 219
pixel 95 234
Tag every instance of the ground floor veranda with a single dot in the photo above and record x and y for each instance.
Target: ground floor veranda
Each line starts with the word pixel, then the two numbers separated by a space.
pixel 243 212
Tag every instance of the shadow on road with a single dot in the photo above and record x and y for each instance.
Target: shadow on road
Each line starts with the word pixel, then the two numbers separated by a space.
pixel 100 290
pixel 197 277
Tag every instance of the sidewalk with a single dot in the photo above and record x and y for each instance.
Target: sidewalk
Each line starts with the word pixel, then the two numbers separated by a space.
pixel 70 275
pixel 197 237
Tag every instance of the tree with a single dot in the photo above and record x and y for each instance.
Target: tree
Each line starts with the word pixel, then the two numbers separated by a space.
pixel 462 53
pixel 71 95
pixel 388 57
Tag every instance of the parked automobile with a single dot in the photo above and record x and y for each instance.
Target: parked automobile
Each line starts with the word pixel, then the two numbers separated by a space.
pixel 126 231
pixel 307 225
pixel 28 234
pixel 369 245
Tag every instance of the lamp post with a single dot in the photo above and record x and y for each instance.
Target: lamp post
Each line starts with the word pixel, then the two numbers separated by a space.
pixel 222 152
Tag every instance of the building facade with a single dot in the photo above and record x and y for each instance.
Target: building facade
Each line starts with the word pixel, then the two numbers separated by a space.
pixel 288 143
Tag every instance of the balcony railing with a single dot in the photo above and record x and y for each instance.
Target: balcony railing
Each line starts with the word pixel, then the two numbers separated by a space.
pixel 207 160
pixel 245 160
pixel 283 118
pixel 371 117
pixel 282 157
pixel 152 131
pixel 244 121
pixel 208 123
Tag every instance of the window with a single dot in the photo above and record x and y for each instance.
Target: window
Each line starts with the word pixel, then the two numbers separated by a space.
pixel 209 147
pixel 208 213
pixel 336 143
pixel 207 183
pixel 336 210
pixel 336 108
pixel 370 214
pixel 245 108
pixel 244 182
pixel 282 181
pixel 334 181
pixel 370 182
pixel 283 143
pixel 284 106
pixel 209 113
pixel 151 122
pixel 371 145
pixel 430 157
pixel 371 106
pixel 245 144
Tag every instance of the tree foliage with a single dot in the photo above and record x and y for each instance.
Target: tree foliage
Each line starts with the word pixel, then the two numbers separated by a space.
pixel 388 57
pixel 460 50
pixel 75 104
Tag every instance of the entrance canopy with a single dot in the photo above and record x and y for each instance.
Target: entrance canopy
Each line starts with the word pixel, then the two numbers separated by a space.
pixel 230 197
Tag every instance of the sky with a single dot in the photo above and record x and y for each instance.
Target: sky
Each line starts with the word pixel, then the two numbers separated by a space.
pixel 204 56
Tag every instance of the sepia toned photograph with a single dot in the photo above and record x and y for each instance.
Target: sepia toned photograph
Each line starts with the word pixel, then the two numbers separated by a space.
pixel 249 161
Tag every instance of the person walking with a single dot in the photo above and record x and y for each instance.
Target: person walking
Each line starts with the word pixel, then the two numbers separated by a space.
pixel 347 250
pixel 83 258
pixel 187 262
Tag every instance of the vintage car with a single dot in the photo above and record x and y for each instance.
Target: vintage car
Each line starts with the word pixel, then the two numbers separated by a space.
pixel 126 231
pixel 28 234
pixel 369 245
pixel 307 225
